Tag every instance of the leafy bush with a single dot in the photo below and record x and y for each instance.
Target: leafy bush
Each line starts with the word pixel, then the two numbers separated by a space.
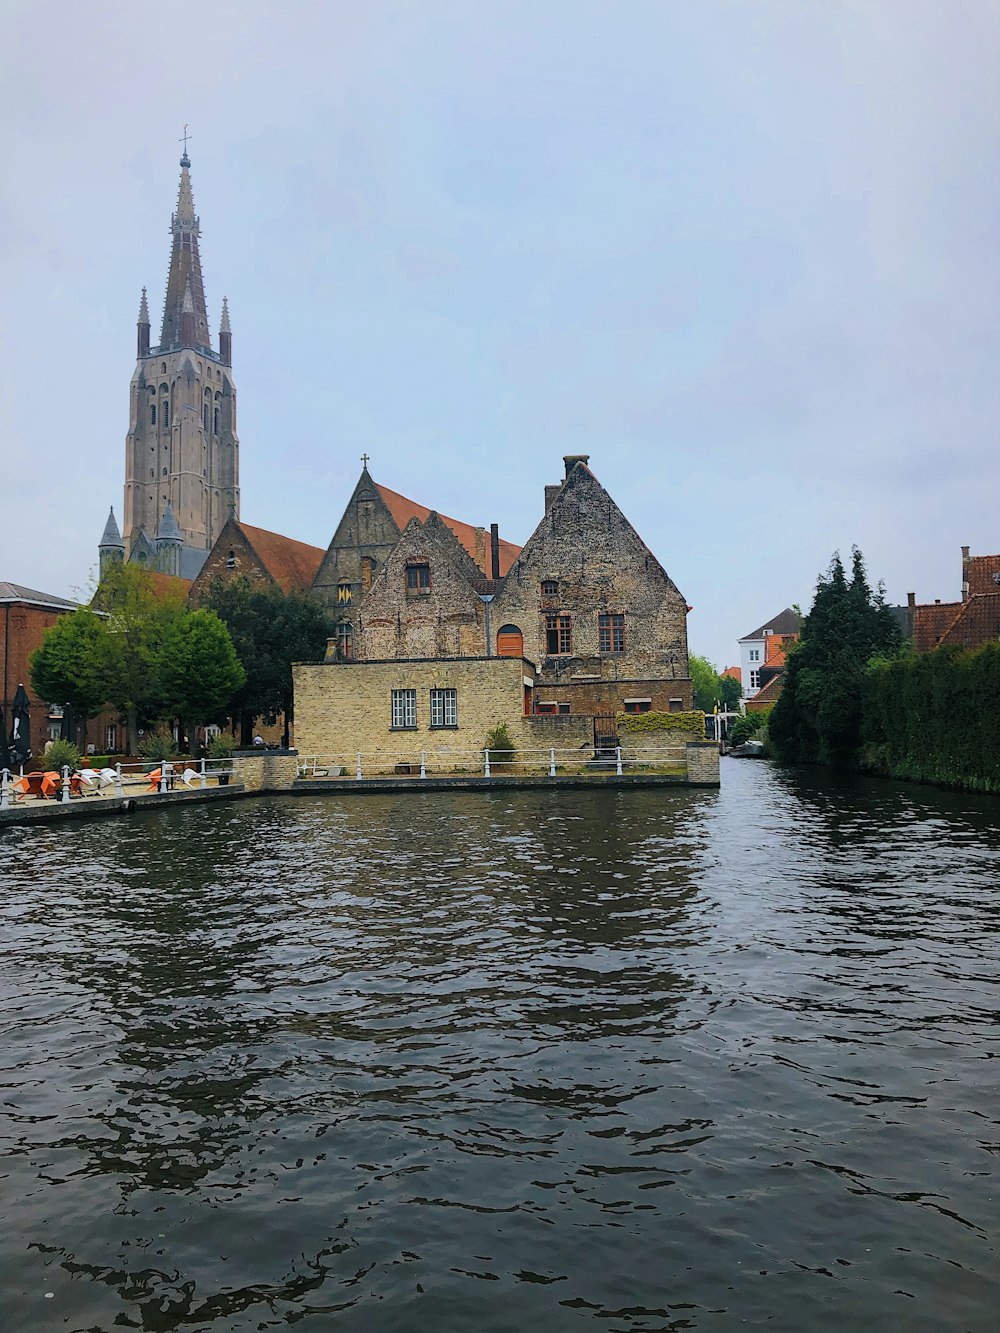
pixel 499 743
pixel 220 747
pixel 59 755
pixel 157 746
pixel 745 729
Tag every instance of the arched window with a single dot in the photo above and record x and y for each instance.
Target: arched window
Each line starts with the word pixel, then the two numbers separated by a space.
pixel 215 422
pixel 152 414
pixel 163 367
pixel 510 641
pixel 165 412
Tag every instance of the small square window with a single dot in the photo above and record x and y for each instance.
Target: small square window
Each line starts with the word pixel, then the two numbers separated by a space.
pixel 418 577
pixel 550 587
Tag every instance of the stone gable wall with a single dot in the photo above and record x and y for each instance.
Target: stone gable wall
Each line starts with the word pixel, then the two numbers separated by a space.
pixel 601 565
pixel 366 531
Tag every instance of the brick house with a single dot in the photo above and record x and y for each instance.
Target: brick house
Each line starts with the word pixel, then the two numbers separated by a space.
pixel 969 623
pixel 584 621
pixel 25 616
pixel 259 555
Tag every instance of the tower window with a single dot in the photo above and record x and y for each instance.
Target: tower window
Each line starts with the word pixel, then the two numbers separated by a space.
pixel 165 413
pixel 163 367
pixel 204 416
pixel 152 414
pixel 215 423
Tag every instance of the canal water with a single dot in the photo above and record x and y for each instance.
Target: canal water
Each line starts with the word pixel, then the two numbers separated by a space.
pixel 640 1060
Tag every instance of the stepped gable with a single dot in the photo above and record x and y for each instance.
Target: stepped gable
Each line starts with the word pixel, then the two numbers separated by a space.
pixel 983 574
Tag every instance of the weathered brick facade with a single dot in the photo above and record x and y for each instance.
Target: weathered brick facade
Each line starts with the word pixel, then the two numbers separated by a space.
pixel 263 557
pixel 25 616
pixel 583 568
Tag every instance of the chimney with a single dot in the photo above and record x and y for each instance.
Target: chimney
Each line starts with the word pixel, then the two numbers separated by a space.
pixel 965 572
pixel 571 460
pixel 550 494
pixel 494 551
pixel 911 600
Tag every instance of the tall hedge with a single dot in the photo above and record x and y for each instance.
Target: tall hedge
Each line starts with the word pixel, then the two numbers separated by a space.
pixel 935 717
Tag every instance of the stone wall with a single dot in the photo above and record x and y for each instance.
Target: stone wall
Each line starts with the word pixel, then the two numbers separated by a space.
pixel 703 763
pixel 266 770
pixel 344 707
pixel 608 696
pixel 599 564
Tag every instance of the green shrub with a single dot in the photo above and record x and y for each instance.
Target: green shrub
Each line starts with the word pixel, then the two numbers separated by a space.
pixel 220 747
pixel 499 744
pixel 157 746
pixel 59 755
pixel 639 722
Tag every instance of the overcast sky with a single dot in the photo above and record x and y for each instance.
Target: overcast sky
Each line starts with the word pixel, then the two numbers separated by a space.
pixel 744 254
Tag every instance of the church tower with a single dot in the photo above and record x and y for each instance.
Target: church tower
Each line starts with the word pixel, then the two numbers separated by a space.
pixel 181 451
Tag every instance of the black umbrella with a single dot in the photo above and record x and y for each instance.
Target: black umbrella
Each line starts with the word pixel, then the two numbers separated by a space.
pixel 5 758
pixel 20 731
pixel 67 727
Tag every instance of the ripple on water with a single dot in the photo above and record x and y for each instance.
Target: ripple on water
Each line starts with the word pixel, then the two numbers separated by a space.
pixel 643 1061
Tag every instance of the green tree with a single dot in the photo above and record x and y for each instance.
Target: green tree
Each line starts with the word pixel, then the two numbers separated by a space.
pixel 732 692
pixel 70 666
pixel 817 718
pixel 199 671
pixel 139 611
pixel 705 682
pixel 270 630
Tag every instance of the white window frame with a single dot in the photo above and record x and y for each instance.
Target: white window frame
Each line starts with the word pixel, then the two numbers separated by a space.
pixel 404 710
pixel 444 707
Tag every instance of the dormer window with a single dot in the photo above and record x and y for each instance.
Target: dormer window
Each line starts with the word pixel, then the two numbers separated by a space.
pixel 418 576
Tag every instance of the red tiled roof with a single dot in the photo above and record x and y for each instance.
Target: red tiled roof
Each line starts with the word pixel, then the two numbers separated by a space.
pixel 735 672
pixel 976 622
pixel 767 694
pixel 475 540
pixel 981 571
pixel 167 587
pixel 293 565
pixel 776 648
pixel 930 621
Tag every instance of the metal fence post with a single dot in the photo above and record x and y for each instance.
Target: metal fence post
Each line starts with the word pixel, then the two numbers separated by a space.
pixel 618 760
pixel 65 784
pixel 204 778
pixel 118 778
pixel 164 775
pixel 423 763
pixel 4 780
pixel 359 766
pixel 487 754
pixel 552 763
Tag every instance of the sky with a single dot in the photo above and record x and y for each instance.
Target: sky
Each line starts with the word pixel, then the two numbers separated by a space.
pixel 743 254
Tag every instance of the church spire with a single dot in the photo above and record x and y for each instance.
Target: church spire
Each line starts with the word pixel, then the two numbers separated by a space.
pixel 184 272
pixel 225 336
pixel 142 327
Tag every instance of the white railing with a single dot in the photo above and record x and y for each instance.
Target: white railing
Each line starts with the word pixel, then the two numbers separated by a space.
pixel 582 760
pixel 139 778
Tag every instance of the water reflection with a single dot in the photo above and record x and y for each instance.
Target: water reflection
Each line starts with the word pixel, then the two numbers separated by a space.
pixel 660 1060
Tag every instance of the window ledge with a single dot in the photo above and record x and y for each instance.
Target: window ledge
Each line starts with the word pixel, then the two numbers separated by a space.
pixel 443 726
pixel 413 728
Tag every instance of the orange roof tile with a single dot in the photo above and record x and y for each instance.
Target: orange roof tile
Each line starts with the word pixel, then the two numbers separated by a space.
pixel 767 694
pixel 475 540
pixel 776 648
pixel 977 622
pixel 930 621
pixel 293 565
pixel 982 569
pixel 735 672
pixel 167 586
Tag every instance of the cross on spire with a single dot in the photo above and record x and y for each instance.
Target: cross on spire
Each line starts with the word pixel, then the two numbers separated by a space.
pixel 364 461
pixel 184 139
